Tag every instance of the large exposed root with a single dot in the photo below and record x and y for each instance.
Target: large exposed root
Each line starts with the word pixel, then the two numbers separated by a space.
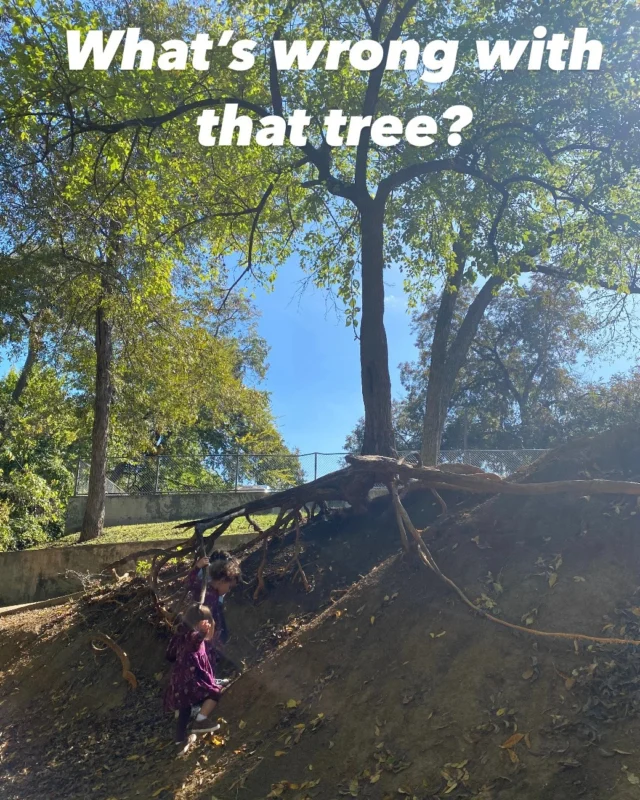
pixel 405 524
pixel 124 658
pixel 351 485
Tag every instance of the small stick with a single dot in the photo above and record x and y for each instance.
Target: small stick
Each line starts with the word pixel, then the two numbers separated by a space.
pixel 260 586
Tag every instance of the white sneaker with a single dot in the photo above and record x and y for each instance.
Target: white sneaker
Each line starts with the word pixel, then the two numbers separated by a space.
pixel 205 726
pixel 195 710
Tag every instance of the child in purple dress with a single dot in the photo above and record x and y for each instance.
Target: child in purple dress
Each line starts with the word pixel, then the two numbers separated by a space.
pixel 192 680
pixel 222 573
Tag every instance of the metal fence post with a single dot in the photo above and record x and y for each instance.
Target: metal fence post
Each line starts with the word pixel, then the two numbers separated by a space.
pixel 78 475
pixel 315 466
pixel 237 470
pixel 158 474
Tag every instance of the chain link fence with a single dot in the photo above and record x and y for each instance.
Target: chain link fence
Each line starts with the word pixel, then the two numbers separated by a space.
pixel 176 474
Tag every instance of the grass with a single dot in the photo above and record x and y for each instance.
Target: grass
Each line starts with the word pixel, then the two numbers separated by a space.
pixel 155 531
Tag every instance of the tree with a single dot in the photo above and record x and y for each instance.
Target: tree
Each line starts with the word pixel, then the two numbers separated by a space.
pixel 186 375
pixel 522 367
pixel 118 232
pixel 595 407
pixel 36 454
pixel 544 145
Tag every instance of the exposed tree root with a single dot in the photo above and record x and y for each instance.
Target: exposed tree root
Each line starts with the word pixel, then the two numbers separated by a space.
pixel 405 524
pixel 443 505
pixel 352 485
pixel 124 658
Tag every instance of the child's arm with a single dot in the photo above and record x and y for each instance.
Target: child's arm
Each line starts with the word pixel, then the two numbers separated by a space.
pixel 172 649
pixel 194 581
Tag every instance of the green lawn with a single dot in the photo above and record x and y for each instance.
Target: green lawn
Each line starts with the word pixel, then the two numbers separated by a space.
pixel 156 530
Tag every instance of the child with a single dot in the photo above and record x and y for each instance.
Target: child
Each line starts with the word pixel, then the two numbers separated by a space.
pixel 222 575
pixel 192 681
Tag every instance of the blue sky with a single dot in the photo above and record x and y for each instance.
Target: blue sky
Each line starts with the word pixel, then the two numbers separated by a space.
pixel 314 372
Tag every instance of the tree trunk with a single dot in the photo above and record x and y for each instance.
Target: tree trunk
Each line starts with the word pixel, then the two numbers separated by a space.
pixel 435 413
pixel 93 521
pixel 374 356
pixel 27 367
pixel 446 362
pixel 35 342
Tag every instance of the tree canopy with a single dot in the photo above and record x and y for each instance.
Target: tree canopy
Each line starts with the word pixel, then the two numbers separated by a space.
pixel 543 179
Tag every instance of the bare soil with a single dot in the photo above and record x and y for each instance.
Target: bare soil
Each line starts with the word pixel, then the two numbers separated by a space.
pixel 377 683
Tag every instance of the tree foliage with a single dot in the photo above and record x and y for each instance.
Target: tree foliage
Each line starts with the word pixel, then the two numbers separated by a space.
pixel 36 459
pixel 523 383
pixel 542 179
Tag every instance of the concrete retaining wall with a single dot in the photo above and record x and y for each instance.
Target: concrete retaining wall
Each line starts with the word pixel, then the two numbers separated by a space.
pixel 29 575
pixel 139 509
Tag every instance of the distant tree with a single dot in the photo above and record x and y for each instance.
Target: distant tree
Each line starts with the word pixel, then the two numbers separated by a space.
pixel 37 454
pixel 595 407
pixel 522 365
pixel 519 383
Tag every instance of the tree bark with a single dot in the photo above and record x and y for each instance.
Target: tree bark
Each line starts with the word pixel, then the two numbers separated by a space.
pixel 93 521
pixel 29 363
pixel 35 343
pixel 374 356
pixel 447 360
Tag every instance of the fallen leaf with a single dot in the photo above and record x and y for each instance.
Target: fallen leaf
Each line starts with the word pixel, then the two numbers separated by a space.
pixel 553 578
pixel 635 611
pixel 162 789
pixel 279 753
pixel 622 752
pixel 476 541
pixel 569 683
pixel 527 674
pixel 501 712
pixel 293 703
pixel 527 740
pixel 242 724
pixel 634 779
pixel 512 741
pixel 372 620
pixel 375 778
pixel 579 579
pixel 513 756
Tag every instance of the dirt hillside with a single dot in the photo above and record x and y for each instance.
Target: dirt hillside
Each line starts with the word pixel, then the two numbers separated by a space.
pixel 378 683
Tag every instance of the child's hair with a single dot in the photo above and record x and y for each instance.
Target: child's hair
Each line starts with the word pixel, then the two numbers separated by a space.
pixel 195 614
pixel 224 566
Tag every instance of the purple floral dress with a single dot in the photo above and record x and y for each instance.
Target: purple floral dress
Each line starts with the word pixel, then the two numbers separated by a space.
pixel 192 680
